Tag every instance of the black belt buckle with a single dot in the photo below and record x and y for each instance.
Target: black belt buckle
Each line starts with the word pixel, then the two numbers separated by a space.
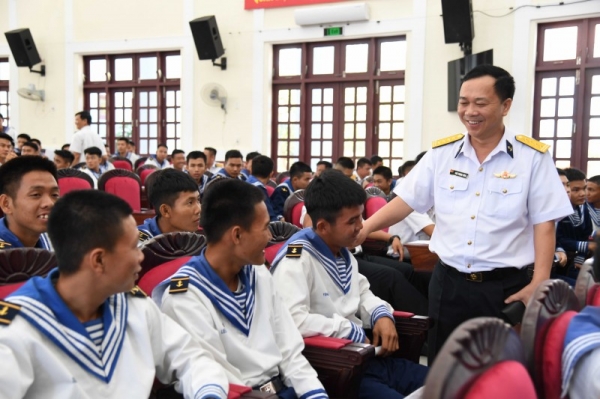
pixel 269 387
pixel 475 277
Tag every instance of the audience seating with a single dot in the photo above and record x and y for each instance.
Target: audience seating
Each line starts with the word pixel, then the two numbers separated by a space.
pixel 292 208
pixel 17 265
pixel 482 358
pixel 139 162
pixel 585 281
pixel 550 309
pixel 272 184
pixel 422 259
pixel 144 171
pixel 373 191
pixel 283 176
pixel 375 201
pixel 78 165
pixel 280 233
pixel 123 184
pixel 270 190
pixel 170 246
pixel 160 273
pixel 72 179
pixel 121 163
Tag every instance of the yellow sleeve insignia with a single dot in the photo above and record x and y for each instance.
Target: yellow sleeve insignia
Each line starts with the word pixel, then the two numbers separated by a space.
pixel 143 236
pixel 137 292
pixel 447 140
pixel 294 251
pixel 529 142
pixel 8 311
pixel 179 285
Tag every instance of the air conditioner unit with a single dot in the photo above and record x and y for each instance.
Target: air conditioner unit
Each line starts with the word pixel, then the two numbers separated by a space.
pixel 338 13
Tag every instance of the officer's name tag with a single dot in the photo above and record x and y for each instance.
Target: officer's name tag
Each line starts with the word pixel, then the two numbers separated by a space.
pixel 459 174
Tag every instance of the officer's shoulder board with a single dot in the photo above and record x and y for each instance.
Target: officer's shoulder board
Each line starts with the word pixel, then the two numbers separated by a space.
pixel 4 244
pixel 144 236
pixel 138 292
pixel 179 285
pixel 447 140
pixel 529 142
pixel 8 311
pixel 294 251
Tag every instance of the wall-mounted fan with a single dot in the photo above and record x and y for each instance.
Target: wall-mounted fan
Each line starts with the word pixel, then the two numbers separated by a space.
pixel 215 95
pixel 30 93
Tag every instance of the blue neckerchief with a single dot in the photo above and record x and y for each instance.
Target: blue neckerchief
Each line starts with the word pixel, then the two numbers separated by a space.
pixel 12 241
pixel 576 217
pixel 583 336
pixel 150 227
pixel 315 246
pixel 594 213
pixel 45 310
pixel 203 277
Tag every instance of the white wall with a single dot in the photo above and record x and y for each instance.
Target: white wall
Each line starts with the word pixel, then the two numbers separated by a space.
pixel 64 30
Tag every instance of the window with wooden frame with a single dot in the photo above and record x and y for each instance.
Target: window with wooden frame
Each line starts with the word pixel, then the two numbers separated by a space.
pixel 567 93
pixel 137 96
pixel 4 97
pixel 339 98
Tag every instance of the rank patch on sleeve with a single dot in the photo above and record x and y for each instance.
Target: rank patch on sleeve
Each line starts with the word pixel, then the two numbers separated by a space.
pixel 144 236
pixel 293 251
pixel 137 292
pixel 4 244
pixel 179 284
pixel 8 311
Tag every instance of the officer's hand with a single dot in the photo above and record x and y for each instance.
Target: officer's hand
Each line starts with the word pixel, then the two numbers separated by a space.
pixel 522 295
pixel 398 248
pixel 384 334
pixel 562 258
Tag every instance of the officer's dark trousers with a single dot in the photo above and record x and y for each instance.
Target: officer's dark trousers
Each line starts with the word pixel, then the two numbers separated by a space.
pixel 453 300
pixel 391 378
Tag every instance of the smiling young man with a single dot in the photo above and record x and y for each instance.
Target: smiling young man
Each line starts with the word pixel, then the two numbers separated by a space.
pixel 93 164
pixel 175 198
pixel 178 159
pixel 319 282
pixel 196 168
pixel 28 191
pixel 160 159
pixel 226 297
pixel 496 196
pixel 85 330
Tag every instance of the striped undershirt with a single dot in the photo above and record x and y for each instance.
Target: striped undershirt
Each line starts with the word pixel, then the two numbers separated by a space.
pixel 95 329
pixel 241 296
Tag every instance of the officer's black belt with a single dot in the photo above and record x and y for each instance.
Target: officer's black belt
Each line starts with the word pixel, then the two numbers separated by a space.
pixel 274 385
pixel 490 275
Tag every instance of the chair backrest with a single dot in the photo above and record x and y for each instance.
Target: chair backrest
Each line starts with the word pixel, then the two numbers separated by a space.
pixel 161 272
pixel 585 280
pixel 19 264
pixel 543 330
pixel 139 162
pixel 6 290
pixel 123 184
pixel 292 208
pixel 483 349
pixel 373 191
pixel 281 231
pixel 144 171
pixel 271 251
pixel 166 247
pixel 70 179
pixel 122 163
pixel 270 190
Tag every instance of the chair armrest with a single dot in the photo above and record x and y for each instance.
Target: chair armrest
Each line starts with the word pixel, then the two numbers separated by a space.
pixel 412 332
pixel 244 392
pixel 421 257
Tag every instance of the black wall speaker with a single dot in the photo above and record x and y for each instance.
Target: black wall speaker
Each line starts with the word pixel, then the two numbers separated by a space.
pixel 22 47
pixel 207 38
pixel 458 21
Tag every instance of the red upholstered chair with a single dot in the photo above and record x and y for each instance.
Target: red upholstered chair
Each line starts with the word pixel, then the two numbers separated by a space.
pixel 123 184
pixel 170 246
pixel 270 190
pixel 122 163
pixel 139 162
pixel 593 296
pixel 482 358
pixel 375 201
pixel 280 233
pixel 160 273
pixel 144 171
pixel 72 179
pixel 585 280
pixel 545 322
pixel 17 265
pixel 6 290
pixel 292 208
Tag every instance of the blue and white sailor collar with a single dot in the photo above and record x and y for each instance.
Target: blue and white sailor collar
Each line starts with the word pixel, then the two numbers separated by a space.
pixel 288 184
pixel 9 240
pixel 149 229
pixel 316 247
pixel 202 276
pixel 45 310
pixel 254 181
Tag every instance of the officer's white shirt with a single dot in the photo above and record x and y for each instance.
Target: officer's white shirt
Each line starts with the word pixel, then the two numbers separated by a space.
pixel 411 228
pixel 152 161
pixel 34 367
pixel 485 222
pixel 86 138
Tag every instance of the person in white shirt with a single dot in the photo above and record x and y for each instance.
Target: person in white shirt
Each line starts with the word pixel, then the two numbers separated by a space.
pixel 226 296
pixel 86 331
pixel 160 159
pixel 93 166
pixel 123 152
pixel 84 137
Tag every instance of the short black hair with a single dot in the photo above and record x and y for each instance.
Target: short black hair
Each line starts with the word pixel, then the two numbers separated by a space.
pixel 222 208
pixel 38 142
pixel 86 116
pixel 13 171
pixel 251 155
pixel 421 155
pixel 65 146
pixel 574 174
pixel 162 145
pixel 328 194
pixel 298 169
pixel 233 154
pixel 93 151
pixel 383 171
pixel 594 179
pixel 125 139
pixel 504 85
pixel 175 152
pixel 363 161
pixel 7 137
pixel 328 165
pixel 166 185
pixel 376 159
pixel 561 172
pixel 345 162
pixel 211 150
pixel 131 142
pixel 24 136
pixel 31 144
pixel 82 221
pixel 66 155
pixel 408 164
pixel 195 155
pixel 262 166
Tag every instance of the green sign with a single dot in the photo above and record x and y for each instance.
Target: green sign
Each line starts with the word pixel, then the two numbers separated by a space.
pixel 335 31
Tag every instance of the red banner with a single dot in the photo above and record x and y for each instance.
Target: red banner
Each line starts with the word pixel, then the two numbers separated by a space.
pixel 254 4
